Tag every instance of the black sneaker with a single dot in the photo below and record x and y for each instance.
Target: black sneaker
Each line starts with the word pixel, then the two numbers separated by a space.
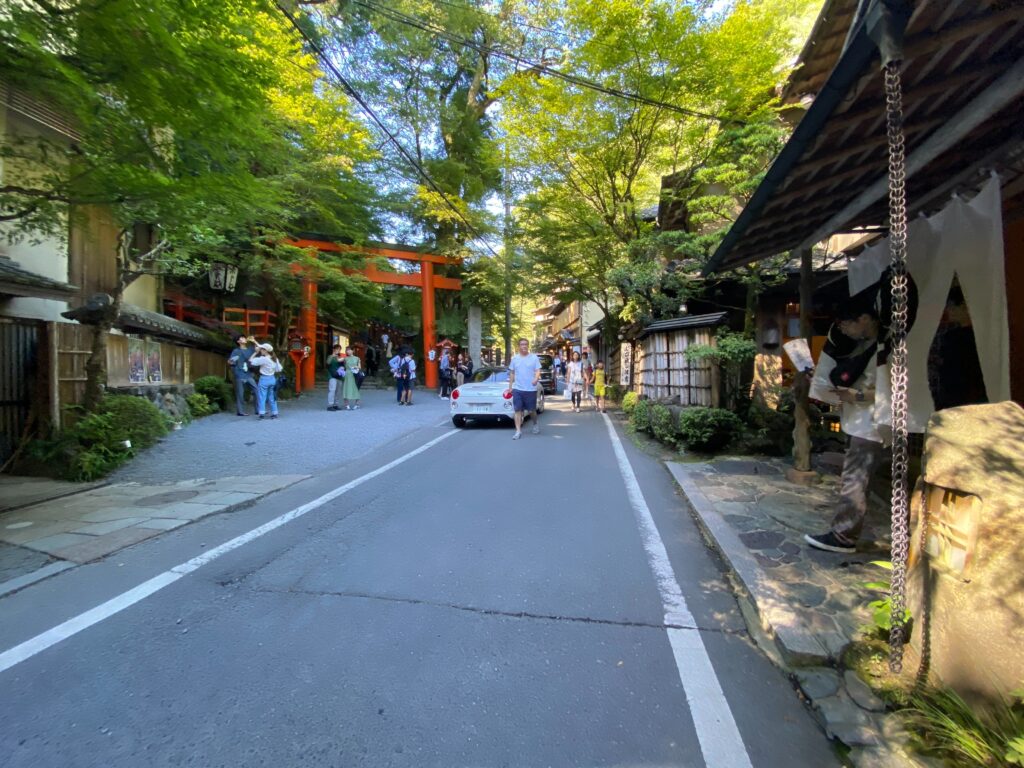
pixel 831 542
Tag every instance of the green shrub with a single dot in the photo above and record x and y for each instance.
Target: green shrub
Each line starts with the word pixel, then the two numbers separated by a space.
pixel 663 425
pixel 135 419
pixel 614 392
pixel 199 405
pixel 989 734
pixel 708 429
pixel 629 401
pixel 768 431
pixel 216 390
pixel 640 417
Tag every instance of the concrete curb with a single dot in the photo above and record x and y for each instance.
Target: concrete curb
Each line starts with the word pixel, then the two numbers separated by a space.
pixel 796 642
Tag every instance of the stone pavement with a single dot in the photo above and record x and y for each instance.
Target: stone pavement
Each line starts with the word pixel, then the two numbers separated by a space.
pixel 217 464
pixel 810 603
pixel 16 492
pixel 94 523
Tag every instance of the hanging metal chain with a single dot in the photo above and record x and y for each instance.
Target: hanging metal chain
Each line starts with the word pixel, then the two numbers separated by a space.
pixel 898 361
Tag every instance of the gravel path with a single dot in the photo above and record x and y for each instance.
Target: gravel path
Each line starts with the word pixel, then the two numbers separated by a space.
pixel 305 438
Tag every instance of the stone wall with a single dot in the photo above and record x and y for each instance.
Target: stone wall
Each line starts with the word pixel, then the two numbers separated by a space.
pixel 169 398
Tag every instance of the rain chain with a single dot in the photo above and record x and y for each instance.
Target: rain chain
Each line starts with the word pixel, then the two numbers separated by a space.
pixel 898 363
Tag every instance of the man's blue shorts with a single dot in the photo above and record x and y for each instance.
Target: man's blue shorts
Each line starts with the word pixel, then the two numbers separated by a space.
pixel 524 401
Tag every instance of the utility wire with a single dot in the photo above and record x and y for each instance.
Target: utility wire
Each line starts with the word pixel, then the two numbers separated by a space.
pixel 355 95
pixel 402 18
pixel 523 24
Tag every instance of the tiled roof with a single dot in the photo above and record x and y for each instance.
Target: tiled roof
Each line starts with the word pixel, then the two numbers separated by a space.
pixel 689 321
pixel 20 282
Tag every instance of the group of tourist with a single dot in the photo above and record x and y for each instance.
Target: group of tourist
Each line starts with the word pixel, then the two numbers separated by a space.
pixel 453 374
pixel 344 371
pixel 403 368
pixel 248 358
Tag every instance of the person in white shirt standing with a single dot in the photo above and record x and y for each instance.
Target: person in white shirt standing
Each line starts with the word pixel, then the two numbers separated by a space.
pixel 523 375
pixel 266 389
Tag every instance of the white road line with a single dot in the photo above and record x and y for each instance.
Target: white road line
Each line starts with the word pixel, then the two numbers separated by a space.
pixel 73 626
pixel 720 740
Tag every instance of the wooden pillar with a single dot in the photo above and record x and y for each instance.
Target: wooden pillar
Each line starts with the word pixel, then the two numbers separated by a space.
pixel 307 330
pixel 179 307
pixel 429 322
pixel 801 470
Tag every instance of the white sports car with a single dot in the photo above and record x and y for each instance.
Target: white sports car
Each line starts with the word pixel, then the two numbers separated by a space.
pixel 486 398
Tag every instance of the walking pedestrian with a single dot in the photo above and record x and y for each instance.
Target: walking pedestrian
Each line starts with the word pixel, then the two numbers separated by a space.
pixel 523 375
pixel 574 380
pixel 407 375
pixel 266 361
pixel 350 386
pixel 599 386
pixel 239 363
pixel 588 375
pixel 394 363
pixel 445 370
pixel 371 360
pixel 335 376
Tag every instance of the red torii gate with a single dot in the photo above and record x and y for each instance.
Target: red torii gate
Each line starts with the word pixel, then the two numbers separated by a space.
pixel 425 279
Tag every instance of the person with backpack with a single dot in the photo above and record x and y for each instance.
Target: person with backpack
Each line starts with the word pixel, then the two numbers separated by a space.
pixel 407 377
pixel 266 361
pixel 335 376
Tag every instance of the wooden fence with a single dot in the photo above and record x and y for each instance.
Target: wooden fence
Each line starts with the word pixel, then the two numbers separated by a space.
pixel 132 361
pixel 661 369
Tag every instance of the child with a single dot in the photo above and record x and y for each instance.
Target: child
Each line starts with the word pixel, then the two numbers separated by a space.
pixel 599 388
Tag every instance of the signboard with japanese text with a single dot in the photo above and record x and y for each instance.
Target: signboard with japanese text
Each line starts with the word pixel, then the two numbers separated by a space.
pixel 625 363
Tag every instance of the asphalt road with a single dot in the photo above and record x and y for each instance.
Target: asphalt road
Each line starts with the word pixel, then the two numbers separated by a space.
pixel 484 602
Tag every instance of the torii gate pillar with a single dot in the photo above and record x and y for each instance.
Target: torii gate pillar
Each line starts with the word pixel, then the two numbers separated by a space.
pixel 429 323
pixel 306 370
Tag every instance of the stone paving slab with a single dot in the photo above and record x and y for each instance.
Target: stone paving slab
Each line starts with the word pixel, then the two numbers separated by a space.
pixel 812 602
pixel 95 523
pixel 17 492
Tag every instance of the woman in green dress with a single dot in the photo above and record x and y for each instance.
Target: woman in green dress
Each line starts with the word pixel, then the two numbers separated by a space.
pixel 350 388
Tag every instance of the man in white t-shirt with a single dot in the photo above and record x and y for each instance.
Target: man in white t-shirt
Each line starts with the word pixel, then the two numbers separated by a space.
pixel 523 375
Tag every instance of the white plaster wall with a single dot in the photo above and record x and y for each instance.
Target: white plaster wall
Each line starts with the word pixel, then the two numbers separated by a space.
pixel 46 256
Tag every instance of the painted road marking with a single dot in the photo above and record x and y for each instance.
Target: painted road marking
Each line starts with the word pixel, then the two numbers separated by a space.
pixel 720 740
pixel 73 626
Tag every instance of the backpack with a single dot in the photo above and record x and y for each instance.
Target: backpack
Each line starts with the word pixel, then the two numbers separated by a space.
pixel 403 369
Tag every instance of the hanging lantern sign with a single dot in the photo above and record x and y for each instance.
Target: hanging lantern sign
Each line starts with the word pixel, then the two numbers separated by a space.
pixel 223 277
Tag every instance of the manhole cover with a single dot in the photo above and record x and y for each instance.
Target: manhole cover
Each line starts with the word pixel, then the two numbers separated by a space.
pixel 159 499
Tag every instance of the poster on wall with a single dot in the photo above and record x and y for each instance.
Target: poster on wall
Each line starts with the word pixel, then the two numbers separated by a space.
pixel 153 371
pixel 136 361
pixel 625 363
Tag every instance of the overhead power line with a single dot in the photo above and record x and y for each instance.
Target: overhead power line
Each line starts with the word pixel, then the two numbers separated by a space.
pixel 357 97
pixel 402 18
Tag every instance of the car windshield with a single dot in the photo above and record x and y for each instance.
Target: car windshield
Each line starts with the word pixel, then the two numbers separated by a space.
pixel 490 376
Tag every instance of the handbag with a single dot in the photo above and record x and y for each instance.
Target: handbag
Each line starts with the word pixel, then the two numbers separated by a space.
pixel 359 378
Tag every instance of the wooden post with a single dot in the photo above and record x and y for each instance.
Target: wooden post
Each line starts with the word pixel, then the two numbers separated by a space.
pixel 801 472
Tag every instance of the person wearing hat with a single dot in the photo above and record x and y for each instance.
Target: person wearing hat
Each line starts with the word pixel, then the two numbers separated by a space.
pixel 239 363
pixel 858 343
pixel 266 361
